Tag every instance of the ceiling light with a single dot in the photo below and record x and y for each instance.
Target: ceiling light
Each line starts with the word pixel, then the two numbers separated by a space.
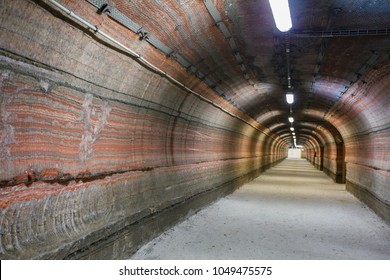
pixel 291 119
pixel 291 128
pixel 281 12
pixel 293 133
pixel 290 98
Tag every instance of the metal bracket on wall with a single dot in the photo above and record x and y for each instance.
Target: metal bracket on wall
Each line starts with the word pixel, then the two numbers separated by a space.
pixel 145 63
pixel 104 9
pixel 142 34
pixel 228 36
pixel 115 14
pixel 363 69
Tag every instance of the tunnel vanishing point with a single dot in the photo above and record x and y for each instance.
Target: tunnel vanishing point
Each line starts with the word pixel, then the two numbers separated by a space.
pixel 120 118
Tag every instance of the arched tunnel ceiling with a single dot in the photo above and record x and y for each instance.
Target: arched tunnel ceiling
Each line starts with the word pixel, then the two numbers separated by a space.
pixel 248 67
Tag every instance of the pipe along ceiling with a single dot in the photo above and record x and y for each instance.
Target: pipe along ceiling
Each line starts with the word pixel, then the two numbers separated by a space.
pixel 236 49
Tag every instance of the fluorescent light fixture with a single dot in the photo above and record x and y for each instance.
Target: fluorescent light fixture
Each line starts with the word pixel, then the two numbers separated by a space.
pixel 291 119
pixel 281 12
pixel 291 128
pixel 290 98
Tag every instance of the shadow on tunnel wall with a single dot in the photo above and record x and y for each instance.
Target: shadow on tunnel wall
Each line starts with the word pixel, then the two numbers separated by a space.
pixel 101 154
pixel 357 151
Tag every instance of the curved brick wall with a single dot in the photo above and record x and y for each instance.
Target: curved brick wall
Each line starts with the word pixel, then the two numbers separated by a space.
pixel 358 152
pixel 327 152
pixel 92 142
pixel 364 125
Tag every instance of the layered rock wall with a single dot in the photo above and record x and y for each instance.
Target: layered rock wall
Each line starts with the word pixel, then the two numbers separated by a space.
pixel 98 152
pixel 358 154
pixel 366 132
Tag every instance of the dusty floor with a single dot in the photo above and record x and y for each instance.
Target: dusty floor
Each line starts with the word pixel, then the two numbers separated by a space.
pixel 292 211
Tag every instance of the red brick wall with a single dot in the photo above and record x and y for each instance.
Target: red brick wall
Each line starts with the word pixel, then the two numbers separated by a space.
pixel 89 137
pixel 363 116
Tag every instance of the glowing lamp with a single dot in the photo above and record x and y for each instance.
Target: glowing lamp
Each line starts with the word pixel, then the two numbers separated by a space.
pixel 290 98
pixel 281 12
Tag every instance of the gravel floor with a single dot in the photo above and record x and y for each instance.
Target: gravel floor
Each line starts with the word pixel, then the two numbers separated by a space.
pixel 292 211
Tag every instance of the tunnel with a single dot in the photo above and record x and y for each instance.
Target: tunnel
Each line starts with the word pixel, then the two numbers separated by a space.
pixel 120 119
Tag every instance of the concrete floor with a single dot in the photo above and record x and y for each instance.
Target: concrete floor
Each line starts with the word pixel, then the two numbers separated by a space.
pixel 292 211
